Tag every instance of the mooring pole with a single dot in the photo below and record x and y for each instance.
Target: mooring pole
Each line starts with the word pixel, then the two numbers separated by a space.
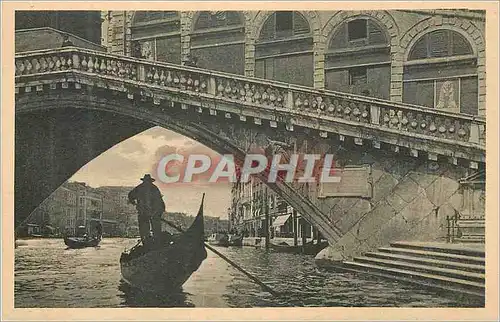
pixel 295 228
pixel 303 231
pixel 267 219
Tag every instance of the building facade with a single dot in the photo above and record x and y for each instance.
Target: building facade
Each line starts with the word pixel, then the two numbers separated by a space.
pixel 84 24
pixel 433 58
pixel 253 203
pixel 57 215
pixel 117 208
pixel 430 58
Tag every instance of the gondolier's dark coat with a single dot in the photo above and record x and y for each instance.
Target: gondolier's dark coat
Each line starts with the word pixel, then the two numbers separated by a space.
pixel 148 198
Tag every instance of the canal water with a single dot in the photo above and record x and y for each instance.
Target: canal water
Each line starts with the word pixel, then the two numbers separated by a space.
pixel 48 275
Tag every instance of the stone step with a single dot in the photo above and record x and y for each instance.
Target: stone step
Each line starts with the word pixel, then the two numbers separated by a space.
pixel 470 239
pixel 461 290
pixel 428 269
pixel 442 248
pixel 471 223
pixel 430 280
pixel 428 261
pixel 434 255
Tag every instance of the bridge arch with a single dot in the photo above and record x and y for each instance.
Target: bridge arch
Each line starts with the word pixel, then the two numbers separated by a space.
pixel 151 116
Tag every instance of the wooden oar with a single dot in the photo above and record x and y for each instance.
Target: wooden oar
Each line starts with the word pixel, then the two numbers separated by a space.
pixel 253 278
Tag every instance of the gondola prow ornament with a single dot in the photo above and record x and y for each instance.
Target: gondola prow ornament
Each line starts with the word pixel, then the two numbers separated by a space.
pixel 150 207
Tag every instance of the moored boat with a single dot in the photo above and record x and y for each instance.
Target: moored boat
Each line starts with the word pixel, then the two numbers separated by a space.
pixel 219 239
pixel 82 242
pixel 77 242
pixel 165 265
pixel 235 240
pixel 308 249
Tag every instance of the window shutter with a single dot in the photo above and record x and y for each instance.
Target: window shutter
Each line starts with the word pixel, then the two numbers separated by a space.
pixel 375 34
pixel 339 39
pixel 419 93
pixel 300 24
pixel 203 21
pixel 468 95
pixel 460 45
pixel 268 29
pixel 439 43
pixel 419 50
pixel 232 18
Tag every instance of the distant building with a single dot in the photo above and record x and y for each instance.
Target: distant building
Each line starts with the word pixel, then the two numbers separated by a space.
pixel 84 24
pixel 56 215
pixel 116 207
pixel 250 203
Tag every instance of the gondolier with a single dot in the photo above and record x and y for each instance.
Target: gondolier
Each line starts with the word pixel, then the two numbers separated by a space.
pixel 150 207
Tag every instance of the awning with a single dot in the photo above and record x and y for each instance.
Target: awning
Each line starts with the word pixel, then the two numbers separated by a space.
pixel 281 220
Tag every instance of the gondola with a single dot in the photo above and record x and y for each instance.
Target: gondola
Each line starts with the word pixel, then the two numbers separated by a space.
pixel 82 242
pixel 164 265
pixel 308 249
pixel 219 239
pixel 235 240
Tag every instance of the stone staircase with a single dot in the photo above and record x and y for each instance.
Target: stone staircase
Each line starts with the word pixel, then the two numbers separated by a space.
pixel 471 231
pixel 451 267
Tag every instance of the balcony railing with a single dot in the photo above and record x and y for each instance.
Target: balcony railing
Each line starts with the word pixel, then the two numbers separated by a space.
pixel 292 101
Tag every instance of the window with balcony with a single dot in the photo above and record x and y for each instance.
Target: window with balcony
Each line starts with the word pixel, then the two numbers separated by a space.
pixel 358 58
pixel 284 49
pixel 156 36
pixel 441 72
pixel 218 41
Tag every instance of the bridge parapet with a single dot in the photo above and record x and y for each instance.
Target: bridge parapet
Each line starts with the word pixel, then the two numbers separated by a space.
pixel 414 127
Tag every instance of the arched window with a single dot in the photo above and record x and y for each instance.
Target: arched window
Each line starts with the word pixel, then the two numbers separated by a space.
pixel 283 24
pixel 218 41
pixel 284 50
pixel 358 59
pixel 441 72
pixel 440 43
pixel 216 19
pixel 156 36
pixel 152 16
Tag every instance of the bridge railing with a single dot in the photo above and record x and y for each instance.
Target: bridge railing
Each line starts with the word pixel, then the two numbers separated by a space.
pixel 265 94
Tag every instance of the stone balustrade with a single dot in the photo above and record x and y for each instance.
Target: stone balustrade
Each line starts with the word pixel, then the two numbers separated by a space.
pixel 402 119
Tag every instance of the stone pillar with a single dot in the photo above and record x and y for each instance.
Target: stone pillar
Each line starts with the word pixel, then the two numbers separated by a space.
pixel 117 34
pixel 319 61
pixel 186 22
pixel 396 89
pixel 249 46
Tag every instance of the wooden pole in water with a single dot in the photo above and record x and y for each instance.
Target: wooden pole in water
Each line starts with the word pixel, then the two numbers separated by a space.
pixel 253 278
pixel 266 209
pixel 303 232
pixel 295 228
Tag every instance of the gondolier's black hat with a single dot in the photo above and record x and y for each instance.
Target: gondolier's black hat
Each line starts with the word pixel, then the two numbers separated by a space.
pixel 147 177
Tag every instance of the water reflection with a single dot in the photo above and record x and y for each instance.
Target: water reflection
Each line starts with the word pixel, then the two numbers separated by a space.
pixel 132 297
pixel 48 275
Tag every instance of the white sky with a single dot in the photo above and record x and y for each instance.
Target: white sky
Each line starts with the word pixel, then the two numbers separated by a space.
pixel 125 163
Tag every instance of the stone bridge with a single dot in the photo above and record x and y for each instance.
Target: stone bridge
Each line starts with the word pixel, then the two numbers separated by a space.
pixel 73 104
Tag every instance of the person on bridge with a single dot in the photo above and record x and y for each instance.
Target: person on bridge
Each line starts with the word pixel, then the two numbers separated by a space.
pixel 150 207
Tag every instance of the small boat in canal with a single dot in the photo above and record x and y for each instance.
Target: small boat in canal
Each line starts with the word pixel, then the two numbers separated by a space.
pixel 235 240
pixel 166 264
pixel 309 248
pixel 78 242
pixel 81 242
pixel 219 239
